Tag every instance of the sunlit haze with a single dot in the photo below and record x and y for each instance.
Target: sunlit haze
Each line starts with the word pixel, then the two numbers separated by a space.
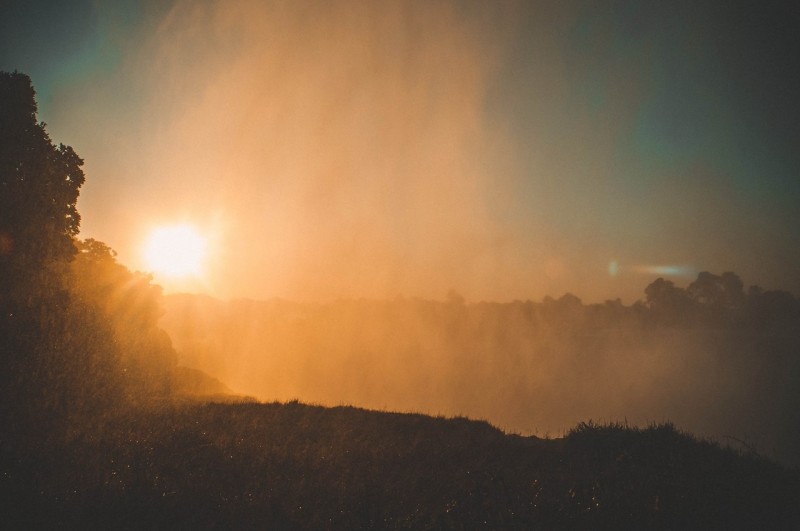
pixel 506 150
pixel 262 257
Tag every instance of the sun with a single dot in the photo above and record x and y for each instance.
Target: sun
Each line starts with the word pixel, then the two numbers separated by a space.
pixel 177 251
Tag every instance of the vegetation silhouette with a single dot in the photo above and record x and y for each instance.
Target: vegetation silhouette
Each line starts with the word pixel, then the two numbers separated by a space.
pixel 710 357
pixel 294 466
pixel 98 429
pixel 41 324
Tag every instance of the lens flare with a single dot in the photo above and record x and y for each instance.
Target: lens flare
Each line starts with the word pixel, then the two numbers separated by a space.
pixel 667 270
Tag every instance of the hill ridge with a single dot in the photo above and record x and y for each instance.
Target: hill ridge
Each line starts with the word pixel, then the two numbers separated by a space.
pixel 298 466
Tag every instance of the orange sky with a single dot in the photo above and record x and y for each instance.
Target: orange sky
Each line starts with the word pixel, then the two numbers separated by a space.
pixel 363 149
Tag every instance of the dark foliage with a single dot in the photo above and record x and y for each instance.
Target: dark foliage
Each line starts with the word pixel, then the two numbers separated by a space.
pixel 292 466
pixel 39 186
pixel 131 306
pixel 78 332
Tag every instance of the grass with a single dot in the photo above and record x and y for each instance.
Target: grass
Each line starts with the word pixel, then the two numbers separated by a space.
pixel 295 466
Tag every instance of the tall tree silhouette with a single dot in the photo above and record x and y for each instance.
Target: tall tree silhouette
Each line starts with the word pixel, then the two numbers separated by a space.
pixel 57 353
pixel 39 187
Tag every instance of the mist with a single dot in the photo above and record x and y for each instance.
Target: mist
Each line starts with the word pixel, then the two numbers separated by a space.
pixel 387 153
pixel 373 205
pixel 355 149
pixel 530 368
pixel 329 149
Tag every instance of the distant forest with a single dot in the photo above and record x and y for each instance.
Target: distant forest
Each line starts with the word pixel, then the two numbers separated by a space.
pixel 713 357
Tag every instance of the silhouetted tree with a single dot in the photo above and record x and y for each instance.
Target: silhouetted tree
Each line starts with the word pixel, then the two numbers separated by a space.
pixel 733 289
pixel 131 306
pixel 668 304
pixel 724 292
pixel 39 187
pixel 60 355
pixel 719 298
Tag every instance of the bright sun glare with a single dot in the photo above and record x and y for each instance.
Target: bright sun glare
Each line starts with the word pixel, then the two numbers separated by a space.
pixel 176 251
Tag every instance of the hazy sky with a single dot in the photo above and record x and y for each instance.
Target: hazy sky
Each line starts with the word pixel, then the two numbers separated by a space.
pixel 358 148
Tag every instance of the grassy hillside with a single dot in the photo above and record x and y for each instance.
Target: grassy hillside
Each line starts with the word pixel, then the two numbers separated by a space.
pixel 293 466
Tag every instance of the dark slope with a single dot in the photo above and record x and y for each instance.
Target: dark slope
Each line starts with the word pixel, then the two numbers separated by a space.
pixel 292 466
